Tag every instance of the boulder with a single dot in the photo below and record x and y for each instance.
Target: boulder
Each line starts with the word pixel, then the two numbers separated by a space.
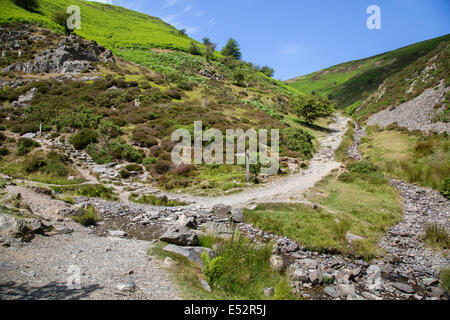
pixel 331 291
pixel 117 233
pixel 205 285
pixel 344 290
pixel 222 210
pixel 296 273
pixel 276 263
pixel 181 236
pixel 188 222
pixel 237 215
pixel 127 286
pixel 19 227
pixel 221 230
pixel 403 287
pixel 315 277
pixel 192 253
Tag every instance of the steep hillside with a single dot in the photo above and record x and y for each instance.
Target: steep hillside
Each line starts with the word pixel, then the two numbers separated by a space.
pixel 395 77
pixel 126 109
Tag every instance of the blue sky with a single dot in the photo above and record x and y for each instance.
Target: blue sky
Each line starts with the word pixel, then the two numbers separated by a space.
pixel 297 37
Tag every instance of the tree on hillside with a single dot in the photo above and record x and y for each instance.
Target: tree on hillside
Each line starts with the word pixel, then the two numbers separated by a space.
pixel 194 49
pixel 311 108
pixel 29 5
pixel 210 49
pixel 61 18
pixel 268 71
pixel 232 49
pixel 239 77
pixel 182 32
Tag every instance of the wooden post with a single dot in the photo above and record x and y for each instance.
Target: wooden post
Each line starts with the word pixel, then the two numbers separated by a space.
pixel 40 129
pixel 247 164
pixel 205 102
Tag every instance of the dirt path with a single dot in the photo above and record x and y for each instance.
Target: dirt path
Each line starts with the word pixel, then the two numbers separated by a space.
pixel 39 269
pixel 289 189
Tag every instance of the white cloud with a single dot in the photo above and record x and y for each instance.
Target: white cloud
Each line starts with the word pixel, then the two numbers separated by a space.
pixel 212 22
pixel 288 50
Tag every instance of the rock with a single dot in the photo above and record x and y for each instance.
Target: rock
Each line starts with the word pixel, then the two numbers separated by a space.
pixel 331 291
pixel 276 263
pixel 343 276
pixel 370 296
pixel 74 210
pixel 353 237
pixel 430 282
pixel 269 292
pixel 222 210
pixel 30 135
pixel 188 222
pixel 71 56
pixel 20 227
pixel 237 215
pixel 292 247
pixel 64 230
pixel 308 263
pixel 343 290
pixel 221 230
pixel 295 273
pixel 117 233
pixel 315 277
pixel 127 286
pixel 169 262
pixel 205 285
pixel 406 288
pixel 437 292
pixel 181 236
pixel 192 253
pixel 354 296
pixel 373 280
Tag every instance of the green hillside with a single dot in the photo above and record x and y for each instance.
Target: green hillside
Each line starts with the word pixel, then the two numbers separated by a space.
pixel 153 88
pixel 111 26
pixel 350 84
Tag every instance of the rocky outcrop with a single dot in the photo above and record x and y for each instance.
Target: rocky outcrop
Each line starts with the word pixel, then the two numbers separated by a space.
pixel 416 114
pixel 180 236
pixel 73 55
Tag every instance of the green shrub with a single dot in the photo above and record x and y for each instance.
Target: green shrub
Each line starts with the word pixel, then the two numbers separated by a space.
pixel 242 269
pixel 437 236
pixel 134 167
pixel 445 279
pixel 83 138
pixel 445 188
pixel 4 151
pixel 125 174
pixel 173 93
pixel 25 145
pixel 162 167
pixel 88 217
pixel 155 201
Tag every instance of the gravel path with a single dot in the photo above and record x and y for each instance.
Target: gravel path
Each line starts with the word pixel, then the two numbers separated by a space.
pixel 39 269
pixel 289 189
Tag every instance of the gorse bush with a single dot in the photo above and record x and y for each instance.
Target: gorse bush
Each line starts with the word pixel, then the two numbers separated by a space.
pixel 25 145
pixel 83 138
pixel 88 218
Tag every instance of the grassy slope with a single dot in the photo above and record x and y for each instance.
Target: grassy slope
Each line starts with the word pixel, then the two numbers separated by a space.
pixel 109 25
pixel 350 84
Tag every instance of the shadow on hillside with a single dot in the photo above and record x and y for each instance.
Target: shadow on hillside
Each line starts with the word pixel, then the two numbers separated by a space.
pixel 316 127
pixel 51 291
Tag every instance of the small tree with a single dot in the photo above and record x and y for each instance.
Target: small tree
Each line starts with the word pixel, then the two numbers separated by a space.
pixel 61 18
pixel 268 71
pixel 239 77
pixel 311 108
pixel 182 32
pixel 29 5
pixel 194 49
pixel 210 49
pixel 232 49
